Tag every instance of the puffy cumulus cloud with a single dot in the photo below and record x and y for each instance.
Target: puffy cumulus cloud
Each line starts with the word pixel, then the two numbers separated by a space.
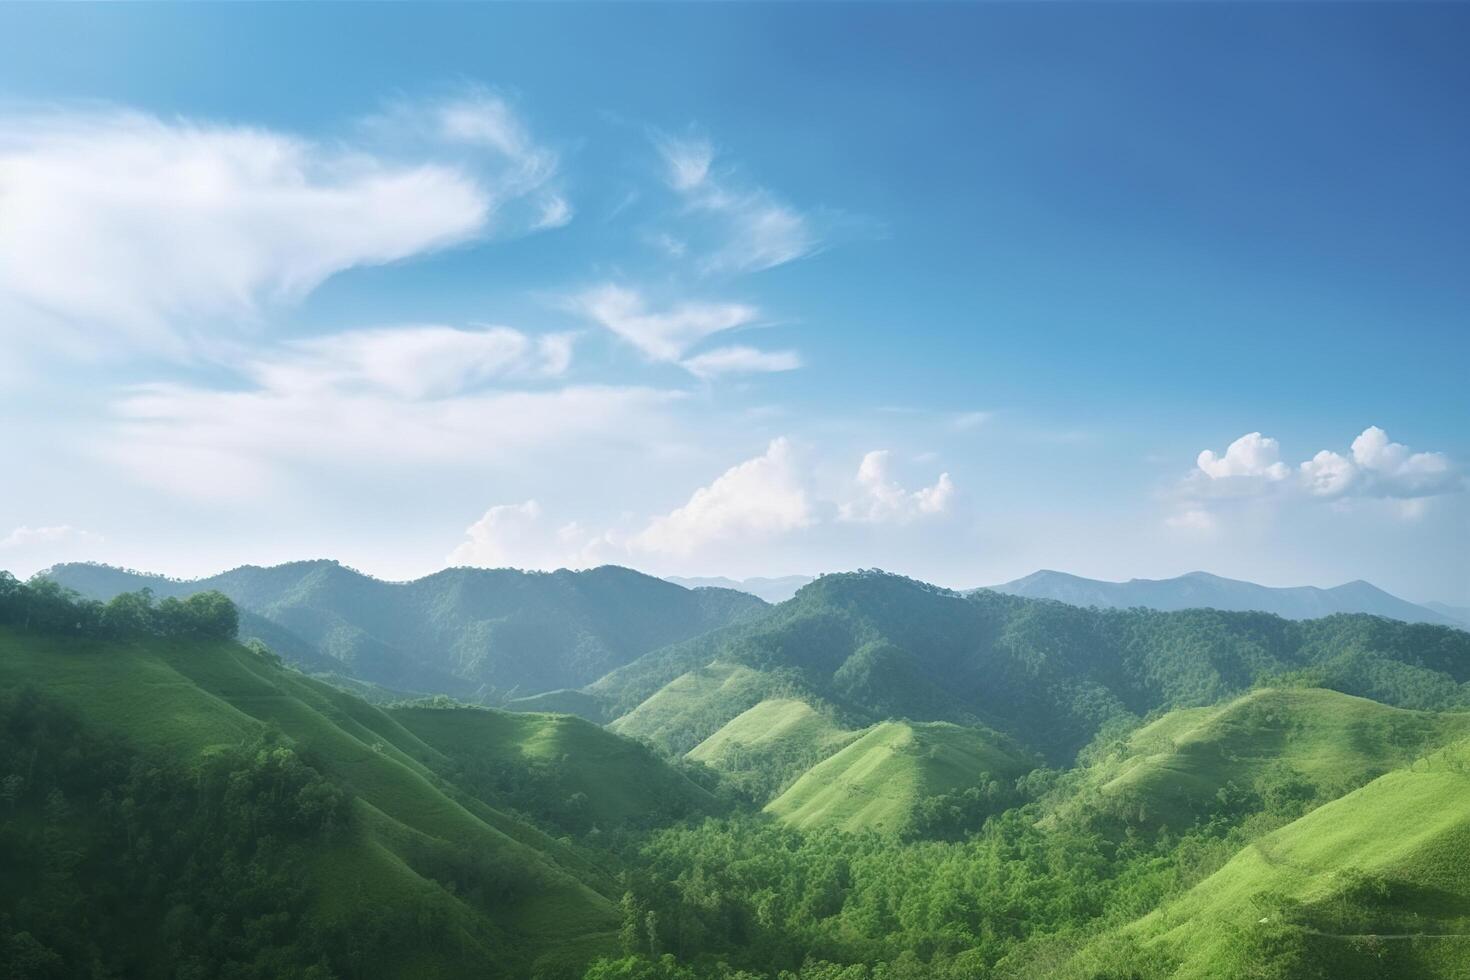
pixel 758 498
pixel 123 229
pixel 520 536
pixel 415 395
pixel 1374 467
pixel 882 500
pixel 1252 455
pixel 412 362
pixel 741 360
pixel 750 227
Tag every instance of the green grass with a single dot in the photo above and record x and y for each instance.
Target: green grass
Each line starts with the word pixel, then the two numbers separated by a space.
pixel 1171 772
pixel 875 782
pixel 1373 884
pixel 622 780
pixel 566 702
pixel 694 705
pixel 766 731
pixel 185 700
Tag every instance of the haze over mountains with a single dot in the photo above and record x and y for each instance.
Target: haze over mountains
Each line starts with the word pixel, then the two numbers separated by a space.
pixel 1201 590
pixel 770 589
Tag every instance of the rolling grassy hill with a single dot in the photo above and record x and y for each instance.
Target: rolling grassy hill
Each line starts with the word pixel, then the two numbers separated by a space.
pixel 474 633
pixel 567 771
pixel 877 781
pixel 694 705
pixel 1315 743
pixel 524 901
pixel 1369 885
pixel 763 749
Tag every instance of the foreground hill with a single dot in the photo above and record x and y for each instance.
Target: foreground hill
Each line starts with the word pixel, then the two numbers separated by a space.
pixel 1201 590
pixel 879 780
pixel 484 634
pixel 1307 743
pixel 878 646
pixel 344 813
pixel 1369 885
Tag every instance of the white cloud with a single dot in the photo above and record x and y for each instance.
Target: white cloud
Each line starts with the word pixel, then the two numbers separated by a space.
pixel 126 229
pixel 665 335
pixel 411 395
pixel 412 362
pixel 882 500
pixel 1375 467
pixel 518 536
pixel 741 360
pixel 1252 455
pixel 26 536
pixel 758 498
pixel 752 228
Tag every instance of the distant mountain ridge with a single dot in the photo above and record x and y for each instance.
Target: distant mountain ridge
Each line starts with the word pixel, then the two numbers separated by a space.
pixel 772 590
pixel 474 633
pixel 1201 590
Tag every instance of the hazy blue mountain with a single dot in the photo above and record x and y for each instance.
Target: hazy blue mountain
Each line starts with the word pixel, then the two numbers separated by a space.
pixel 1460 614
pixel 475 633
pixel 1201 590
pixel 777 589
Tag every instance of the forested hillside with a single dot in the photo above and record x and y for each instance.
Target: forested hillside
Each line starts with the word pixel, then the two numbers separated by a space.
pixel 877 780
pixel 479 634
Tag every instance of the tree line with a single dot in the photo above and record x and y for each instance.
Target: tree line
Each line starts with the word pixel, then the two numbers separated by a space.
pixel 44 606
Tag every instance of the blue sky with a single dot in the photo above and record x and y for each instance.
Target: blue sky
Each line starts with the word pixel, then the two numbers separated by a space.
pixel 955 291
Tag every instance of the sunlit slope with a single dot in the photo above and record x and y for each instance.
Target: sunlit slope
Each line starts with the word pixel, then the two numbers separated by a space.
pixel 876 782
pixel 692 706
pixel 184 700
pixel 771 730
pixel 1312 742
pixel 1374 884
pixel 620 780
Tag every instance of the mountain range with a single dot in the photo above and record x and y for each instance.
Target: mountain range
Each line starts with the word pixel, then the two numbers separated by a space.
pixel 479 634
pixel 1198 590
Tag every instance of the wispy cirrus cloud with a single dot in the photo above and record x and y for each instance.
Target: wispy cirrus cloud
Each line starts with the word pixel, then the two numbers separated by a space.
pixel 749 228
pixel 124 230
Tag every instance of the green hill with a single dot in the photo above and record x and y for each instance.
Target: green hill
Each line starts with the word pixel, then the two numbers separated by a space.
pixel 474 633
pixel 694 705
pixel 878 781
pixel 1312 743
pixel 764 748
pixel 428 879
pixel 563 770
pixel 1369 885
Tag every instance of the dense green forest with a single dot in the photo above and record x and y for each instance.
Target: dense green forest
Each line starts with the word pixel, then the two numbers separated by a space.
pixel 875 779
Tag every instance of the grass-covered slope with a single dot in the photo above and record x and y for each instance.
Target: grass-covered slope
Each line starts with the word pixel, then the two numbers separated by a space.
pixel 478 633
pixel 489 894
pixel 563 770
pixel 694 705
pixel 1313 743
pixel 1370 885
pixel 762 750
pixel 878 781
